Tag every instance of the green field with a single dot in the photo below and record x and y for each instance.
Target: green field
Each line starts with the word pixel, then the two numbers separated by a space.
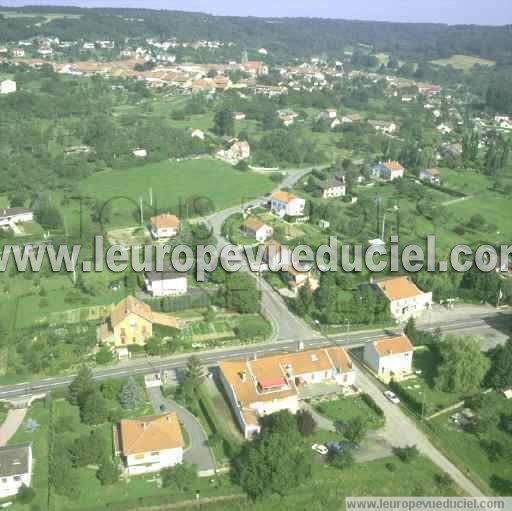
pixel 174 183
pixel 47 17
pixel 463 62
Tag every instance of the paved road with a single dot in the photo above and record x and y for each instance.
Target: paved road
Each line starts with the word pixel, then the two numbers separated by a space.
pixel 400 431
pixel 11 424
pixel 199 452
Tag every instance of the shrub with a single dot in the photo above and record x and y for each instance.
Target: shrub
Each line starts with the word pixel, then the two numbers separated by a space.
pixel 407 454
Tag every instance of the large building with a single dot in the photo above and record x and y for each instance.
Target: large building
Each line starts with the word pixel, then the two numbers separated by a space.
pixel 390 358
pixel 405 299
pixel 131 322
pixel 166 283
pixel 149 444
pixel 11 216
pixel 286 204
pixel 256 388
pixel 15 469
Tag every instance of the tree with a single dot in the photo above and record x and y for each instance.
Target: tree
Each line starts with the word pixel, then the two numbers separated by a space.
pixel 81 386
pixel 407 454
pixel 241 294
pixel 306 423
pixel 131 395
pixel 26 494
pixel 343 458
pixel 253 328
pixel 194 373
pixel 223 123
pixel 182 476
pixel 88 449
pixel 104 355
pixel 108 472
pixel 356 429
pixel 94 409
pixel 463 366
pixel 62 476
pixel 500 373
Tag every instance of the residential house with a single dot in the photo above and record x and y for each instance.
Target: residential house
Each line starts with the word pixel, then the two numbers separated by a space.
pixel 149 444
pixel 286 204
pixel 236 152
pixel 15 469
pixel 405 299
pixel 296 279
pixel 165 226
pixel 12 216
pixel 239 116
pixel 140 153
pixel 329 114
pixel 7 87
pixel 287 117
pixel 352 118
pixel 444 129
pixel 332 189
pixel 197 133
pixel 18 53
pixel 276 255
pixel 387 127
pixel 259 387
pixel 451 150
pixel 255 227
pixel 503 121
pixel 166 283
pixel 131 323
pixel 389 171
pixel 256 68
pixel 390 358
pixel 431 176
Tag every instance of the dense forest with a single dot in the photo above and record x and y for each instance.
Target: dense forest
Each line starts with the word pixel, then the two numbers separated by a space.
pixel 284 36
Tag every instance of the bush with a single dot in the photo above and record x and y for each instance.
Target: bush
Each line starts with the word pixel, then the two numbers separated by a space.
pixel 370 402
pixel 26 494
pixel 407 454
pixel 253 328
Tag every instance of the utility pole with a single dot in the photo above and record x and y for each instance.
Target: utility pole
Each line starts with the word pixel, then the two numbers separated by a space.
pixel 141 211
pixel 383 226
pixel 151 196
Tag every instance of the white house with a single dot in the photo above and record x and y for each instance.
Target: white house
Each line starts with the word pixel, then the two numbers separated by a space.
pixel 388 170
pixel 197 133
pixel 15 469
pixel 333 189
pixel 256 388
pixel 405 299
pixel 390 358
pixel 388 127
pixel 11 216
pixel 165 226
pixel 149 444
pixel 286 204
pixel 329 114
pixel 254 227
pixel 7 87
pixel 431 176
pixel 166 283
pixel 140 153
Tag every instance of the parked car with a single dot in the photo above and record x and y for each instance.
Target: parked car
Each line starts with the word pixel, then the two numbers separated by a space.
pixel 392 397
pixel 320 449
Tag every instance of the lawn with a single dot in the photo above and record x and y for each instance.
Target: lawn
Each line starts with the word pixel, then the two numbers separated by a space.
pixel 463 62
pixel 329 487
pixel 422 388
pixel 174 183
pixel 472 453
pixel 344 409
pixel 39 413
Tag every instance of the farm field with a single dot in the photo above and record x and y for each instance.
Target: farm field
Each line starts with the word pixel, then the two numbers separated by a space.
pixel 174 183
pixel 463 62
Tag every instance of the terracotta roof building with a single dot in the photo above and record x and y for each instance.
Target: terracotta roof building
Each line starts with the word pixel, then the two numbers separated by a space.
pixel 149 444
pixel 390 358
pixel 263 386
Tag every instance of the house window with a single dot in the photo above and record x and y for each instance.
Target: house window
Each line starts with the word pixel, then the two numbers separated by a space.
pixel 17 478
pixel 123 332
pixel 155 454
pixel 139 456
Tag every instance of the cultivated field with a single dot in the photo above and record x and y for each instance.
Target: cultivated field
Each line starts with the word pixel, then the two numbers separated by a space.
pixel 463 62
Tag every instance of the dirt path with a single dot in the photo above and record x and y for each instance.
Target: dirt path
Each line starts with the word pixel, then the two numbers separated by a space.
pixel 11 424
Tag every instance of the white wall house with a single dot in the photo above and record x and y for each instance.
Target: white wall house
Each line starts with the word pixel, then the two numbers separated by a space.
pixel 329 114
pixel 166 283
pixel 165 226
pixel 431 176
pixel 12 216
pixel 7 87
pixel 389 171
pixel 390 358
pixel 333 189
pixel 405 299
pixel 149 444
pixel 285 204
pixel 254 227
pixel 260 387
pixel 15 469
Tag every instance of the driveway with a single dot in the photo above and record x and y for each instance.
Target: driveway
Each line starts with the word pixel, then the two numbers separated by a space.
pixel 401 431
pixel 198 453
pixel 11 424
